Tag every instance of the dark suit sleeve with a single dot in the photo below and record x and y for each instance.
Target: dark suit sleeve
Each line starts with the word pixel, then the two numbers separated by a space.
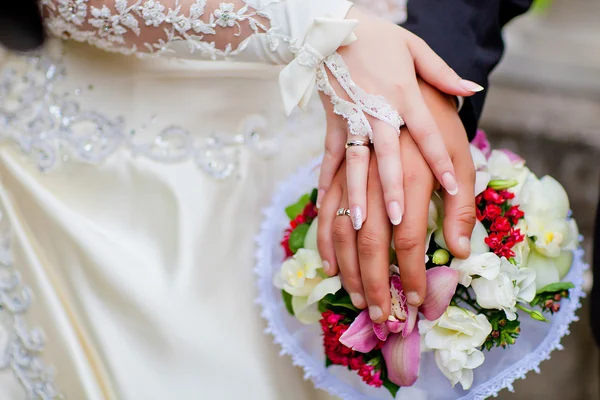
pixel 21 26
pixel 467 34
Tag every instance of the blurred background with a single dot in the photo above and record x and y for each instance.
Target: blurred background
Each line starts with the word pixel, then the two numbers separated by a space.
pixel 544 103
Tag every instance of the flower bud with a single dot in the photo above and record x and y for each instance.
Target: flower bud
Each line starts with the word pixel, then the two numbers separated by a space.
pixel 495 334
pixel 501 184
pixel 502 322
pixel 441 257
pixel 548 304
pixel 555 307
pixel 557 297
pixel 538 316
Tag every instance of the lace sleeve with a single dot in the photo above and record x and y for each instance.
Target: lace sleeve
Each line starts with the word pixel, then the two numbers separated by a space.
pixel 210 29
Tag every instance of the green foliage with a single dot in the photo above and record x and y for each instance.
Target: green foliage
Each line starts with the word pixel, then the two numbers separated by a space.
pixel 296 209
pixel 287 300
pixel 504 332
pixel 313 196
pixel 297 237
pixel 339 303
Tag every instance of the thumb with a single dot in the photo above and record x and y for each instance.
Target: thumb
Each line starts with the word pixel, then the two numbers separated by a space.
pixel 432 69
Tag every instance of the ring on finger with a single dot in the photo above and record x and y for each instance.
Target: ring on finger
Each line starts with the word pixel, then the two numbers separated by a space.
pixel 355 142
pixel 343 211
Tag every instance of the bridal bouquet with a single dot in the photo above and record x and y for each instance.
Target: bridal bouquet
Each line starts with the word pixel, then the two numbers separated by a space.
pixel 523 246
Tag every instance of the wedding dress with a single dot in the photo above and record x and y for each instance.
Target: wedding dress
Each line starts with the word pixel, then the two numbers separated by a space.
pixel 131 190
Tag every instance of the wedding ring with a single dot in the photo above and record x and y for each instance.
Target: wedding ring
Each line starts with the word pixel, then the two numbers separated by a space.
pixel 343 211
pixel 354 142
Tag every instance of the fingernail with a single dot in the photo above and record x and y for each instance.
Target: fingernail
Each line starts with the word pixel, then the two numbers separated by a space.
pixel 464 243
pixel 449 183
pixel 413 299
pixel 375 313
pixel 357 299
pixel 470 86
pixel 395 213
pixel 326 266
pixel 320 195
pixel 357 219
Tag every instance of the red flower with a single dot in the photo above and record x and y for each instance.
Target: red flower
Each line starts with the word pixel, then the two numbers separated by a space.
pixel 341 355
pixel 299 220
pixel 514 214
pixel 310 212
pixel 480 215
pixel 504 251
pixel 507 195
pixel 492 196
pixel 492 212
pixel 501 225
pixel 494 240
pixel 285 243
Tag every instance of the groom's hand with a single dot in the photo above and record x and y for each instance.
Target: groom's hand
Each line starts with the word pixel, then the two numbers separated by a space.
pixel 362 257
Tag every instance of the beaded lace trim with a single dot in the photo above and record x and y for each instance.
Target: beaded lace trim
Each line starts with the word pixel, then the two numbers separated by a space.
pixel 144 27
pixel 21 346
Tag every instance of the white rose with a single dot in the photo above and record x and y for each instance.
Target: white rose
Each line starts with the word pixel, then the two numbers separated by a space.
pixel 455 337
pixel 509 286
pixel 458 366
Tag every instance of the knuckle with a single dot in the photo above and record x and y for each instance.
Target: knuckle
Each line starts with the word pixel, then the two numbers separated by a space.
pixel 352 281
pixel 355 157
pixel 341 233
pixel 465 214
pixel 370 243
pixel 386 150
pixel 392 190
pixel 407 242
pixel 412 177
pixel 375 288
pixel 332 154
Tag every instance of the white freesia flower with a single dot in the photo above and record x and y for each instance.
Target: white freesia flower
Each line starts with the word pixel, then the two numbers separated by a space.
pixel 455 337
pixel 486 265
pixel 509 286
pixel 482 176
pixel 497 283
pixel 302 277
pixel 546 207
pixel 458 365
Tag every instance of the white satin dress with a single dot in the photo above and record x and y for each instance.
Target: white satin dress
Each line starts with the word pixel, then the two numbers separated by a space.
pixel 127 238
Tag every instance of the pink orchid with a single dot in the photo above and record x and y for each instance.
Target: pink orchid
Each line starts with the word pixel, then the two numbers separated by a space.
pixel 481 142
pixel 363 335
pixel 402 357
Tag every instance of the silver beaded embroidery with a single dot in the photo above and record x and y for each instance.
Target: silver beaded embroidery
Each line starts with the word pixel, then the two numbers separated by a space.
pixel 20 346
pixel 51 127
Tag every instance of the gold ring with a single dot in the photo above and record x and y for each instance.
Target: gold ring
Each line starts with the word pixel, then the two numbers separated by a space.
pixel 343 211
pixel 352 143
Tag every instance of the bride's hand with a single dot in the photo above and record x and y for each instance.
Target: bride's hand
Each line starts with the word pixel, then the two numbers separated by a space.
pixel 385 61
pixel 362 258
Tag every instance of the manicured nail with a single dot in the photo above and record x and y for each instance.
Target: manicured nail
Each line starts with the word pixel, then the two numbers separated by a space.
pixel 320 195
pixel 465 243
pixel 357 299
pixel 449 183
pixel 395 213
pixel 357 219
pixel 470 86
pixel 326 266
pixel 375 313
pixel 413 299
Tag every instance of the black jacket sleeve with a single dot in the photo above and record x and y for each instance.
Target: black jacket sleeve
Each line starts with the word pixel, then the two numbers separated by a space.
pixel 21 26
pixel 467 34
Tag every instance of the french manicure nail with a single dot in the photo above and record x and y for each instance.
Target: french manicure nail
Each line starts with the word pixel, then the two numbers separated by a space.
pixel 375 313
pixel 395 213
pixel 449 183
pixel 326 266
pixel 357 219
pixel 320 195
pixel 464 243
pixel 413 299
pixel 470 86
pixel 357 299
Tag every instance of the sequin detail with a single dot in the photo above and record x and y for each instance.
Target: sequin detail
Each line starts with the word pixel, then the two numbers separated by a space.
pixel 52 127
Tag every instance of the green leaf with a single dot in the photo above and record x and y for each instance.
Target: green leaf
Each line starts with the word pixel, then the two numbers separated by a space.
pixel 328 362
pixel 287 300
pixel 296 209
pixel 339 301
pixel 556 287
pixel 391 387
pixel 297 237
pixel 313 196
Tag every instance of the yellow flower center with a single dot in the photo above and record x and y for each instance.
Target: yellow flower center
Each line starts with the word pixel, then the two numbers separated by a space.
pixel 300 274
pixel 549 237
